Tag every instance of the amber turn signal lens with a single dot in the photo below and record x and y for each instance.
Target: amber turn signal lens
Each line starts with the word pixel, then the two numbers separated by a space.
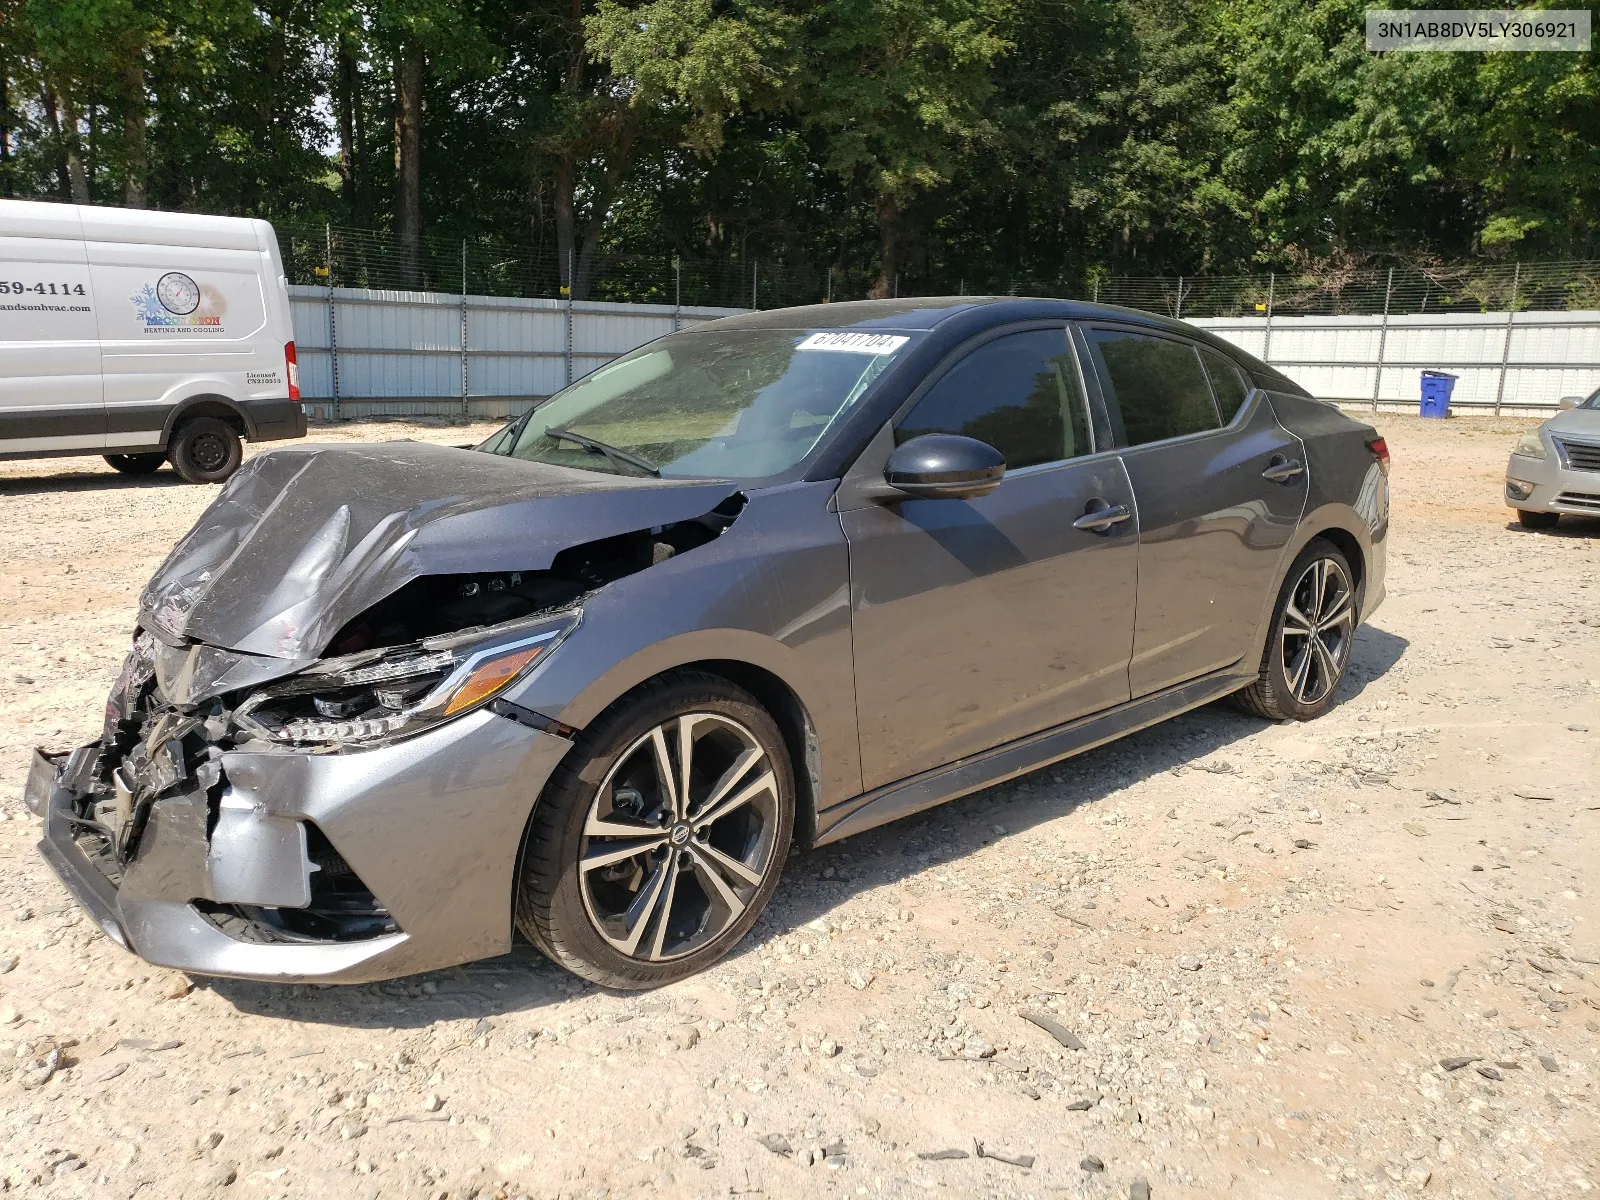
pixel 489 677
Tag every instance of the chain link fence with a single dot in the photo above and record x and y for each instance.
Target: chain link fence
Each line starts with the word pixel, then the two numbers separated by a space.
pixel 483 266
pixel 364 258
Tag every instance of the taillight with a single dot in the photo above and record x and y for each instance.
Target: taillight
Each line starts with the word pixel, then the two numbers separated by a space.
pixel 1380 451
pixel 292 369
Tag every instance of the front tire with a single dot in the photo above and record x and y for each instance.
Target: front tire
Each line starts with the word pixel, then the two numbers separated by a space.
pixel 660 838
pixel 135 464
pixel 1530 519
pixel 1308 645
pixel 206 450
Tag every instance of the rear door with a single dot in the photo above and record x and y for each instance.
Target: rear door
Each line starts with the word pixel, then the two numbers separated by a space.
pixel 979 621
pixel 51 395
pixel 1220 487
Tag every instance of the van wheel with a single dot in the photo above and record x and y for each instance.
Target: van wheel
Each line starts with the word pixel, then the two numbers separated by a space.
pixel 206 450
pixel 135 464
pixel 661 836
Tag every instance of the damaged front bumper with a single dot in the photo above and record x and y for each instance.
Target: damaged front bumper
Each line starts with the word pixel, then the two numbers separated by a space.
pixel 421 838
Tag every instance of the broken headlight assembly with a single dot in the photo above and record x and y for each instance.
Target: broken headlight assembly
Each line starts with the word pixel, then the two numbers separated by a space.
pixel 381 695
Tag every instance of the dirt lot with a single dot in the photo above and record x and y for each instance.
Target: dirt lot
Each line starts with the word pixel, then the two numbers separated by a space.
pixel 1359 957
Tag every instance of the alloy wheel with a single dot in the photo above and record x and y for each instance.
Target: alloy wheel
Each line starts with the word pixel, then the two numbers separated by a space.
pixel 679 837
pixel 1318 623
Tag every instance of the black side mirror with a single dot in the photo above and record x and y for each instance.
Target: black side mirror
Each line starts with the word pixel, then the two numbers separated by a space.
pixel 945 466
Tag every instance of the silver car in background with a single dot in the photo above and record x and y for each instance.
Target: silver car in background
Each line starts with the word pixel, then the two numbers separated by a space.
pixel 1555 467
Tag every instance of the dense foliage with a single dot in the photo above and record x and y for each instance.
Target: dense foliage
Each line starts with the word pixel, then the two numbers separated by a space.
pixel 934 143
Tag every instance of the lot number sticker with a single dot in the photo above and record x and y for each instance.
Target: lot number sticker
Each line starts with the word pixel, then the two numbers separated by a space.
pixel 855 343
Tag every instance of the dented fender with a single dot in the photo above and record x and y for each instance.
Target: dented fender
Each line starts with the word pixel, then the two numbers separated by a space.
pixel 772 593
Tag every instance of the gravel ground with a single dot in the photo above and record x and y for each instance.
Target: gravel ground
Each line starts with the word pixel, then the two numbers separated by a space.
pixel 1351 958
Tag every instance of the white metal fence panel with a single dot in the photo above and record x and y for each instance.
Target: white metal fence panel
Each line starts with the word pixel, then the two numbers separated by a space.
pixel 1525 362
pixel 369 351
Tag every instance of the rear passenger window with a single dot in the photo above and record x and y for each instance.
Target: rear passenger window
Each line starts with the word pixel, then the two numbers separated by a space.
pixel 1019 393
pixel 1227 381
pixel 1158 385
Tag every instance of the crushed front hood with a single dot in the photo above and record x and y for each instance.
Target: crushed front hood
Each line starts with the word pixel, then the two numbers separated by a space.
pixel 301 540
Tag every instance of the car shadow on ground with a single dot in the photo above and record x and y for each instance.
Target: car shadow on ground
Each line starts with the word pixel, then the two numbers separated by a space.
pixel 524 979
pixel 1569 526
pixel 88 480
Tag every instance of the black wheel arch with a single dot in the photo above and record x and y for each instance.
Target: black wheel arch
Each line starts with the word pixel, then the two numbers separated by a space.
pixel 1335 523
pixel 786 708
pixel 209 405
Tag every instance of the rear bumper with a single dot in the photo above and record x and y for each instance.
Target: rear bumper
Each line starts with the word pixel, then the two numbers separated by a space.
pixel 1550 487
pixel 276 420
pixel 431 825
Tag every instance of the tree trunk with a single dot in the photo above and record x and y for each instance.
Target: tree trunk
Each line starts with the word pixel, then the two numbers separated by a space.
pixel 133 133
pixel 53 120
pixel 72 149
pixel 347 126
pixel 362 167
pixel 5 131
pixel 889 247
pixel 408 161
pixel 566 225
pixel 564 201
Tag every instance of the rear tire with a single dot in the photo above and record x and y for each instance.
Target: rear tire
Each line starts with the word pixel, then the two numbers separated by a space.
pixel 136 464
pixel 670 886
pixel 1308 644
pixel 1529 519
pixel 205 450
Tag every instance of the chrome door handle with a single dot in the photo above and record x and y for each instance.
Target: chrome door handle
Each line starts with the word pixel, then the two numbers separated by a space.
pixel 1283 469
pixel 1101 519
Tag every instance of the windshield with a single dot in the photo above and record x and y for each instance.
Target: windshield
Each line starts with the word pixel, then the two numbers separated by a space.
pixel 1593 401
pixel 727 404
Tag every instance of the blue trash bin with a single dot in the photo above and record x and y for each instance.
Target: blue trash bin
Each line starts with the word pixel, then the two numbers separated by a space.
pixel 1436 389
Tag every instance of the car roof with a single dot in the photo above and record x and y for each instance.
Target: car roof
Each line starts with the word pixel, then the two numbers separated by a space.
pixel 967 314
pixel 928 312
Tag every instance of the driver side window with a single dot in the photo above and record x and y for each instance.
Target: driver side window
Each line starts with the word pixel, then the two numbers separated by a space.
pixel 1020 393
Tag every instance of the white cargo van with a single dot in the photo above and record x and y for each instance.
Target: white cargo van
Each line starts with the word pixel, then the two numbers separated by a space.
pixel 146 337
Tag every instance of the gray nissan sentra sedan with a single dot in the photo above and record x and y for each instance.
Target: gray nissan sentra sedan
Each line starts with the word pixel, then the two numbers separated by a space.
pixel 769 582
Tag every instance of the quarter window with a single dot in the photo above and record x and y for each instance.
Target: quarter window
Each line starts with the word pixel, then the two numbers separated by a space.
pixel 1158 385
pixel 1019 393
pixel 1227 381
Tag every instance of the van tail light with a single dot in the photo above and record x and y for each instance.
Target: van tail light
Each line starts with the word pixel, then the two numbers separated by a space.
pixel 1380 451
pixel 292 369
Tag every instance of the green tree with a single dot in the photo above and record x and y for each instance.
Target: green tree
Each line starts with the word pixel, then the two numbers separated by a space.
pixel 897 89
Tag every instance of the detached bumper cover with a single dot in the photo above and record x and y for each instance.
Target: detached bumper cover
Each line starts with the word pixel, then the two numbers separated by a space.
pixel 88 885
pixel 432 825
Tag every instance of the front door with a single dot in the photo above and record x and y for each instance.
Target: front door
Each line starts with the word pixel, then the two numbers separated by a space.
pixel 1220 487
pixel 51 397
pixel 980 621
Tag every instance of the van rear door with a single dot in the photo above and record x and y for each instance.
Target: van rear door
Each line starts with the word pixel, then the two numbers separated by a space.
pixel 51 391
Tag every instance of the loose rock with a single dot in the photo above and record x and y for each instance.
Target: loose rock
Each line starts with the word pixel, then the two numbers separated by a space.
pixel 1055 1029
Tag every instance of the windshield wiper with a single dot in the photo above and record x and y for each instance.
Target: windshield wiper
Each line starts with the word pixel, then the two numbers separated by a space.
pixel 595 446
